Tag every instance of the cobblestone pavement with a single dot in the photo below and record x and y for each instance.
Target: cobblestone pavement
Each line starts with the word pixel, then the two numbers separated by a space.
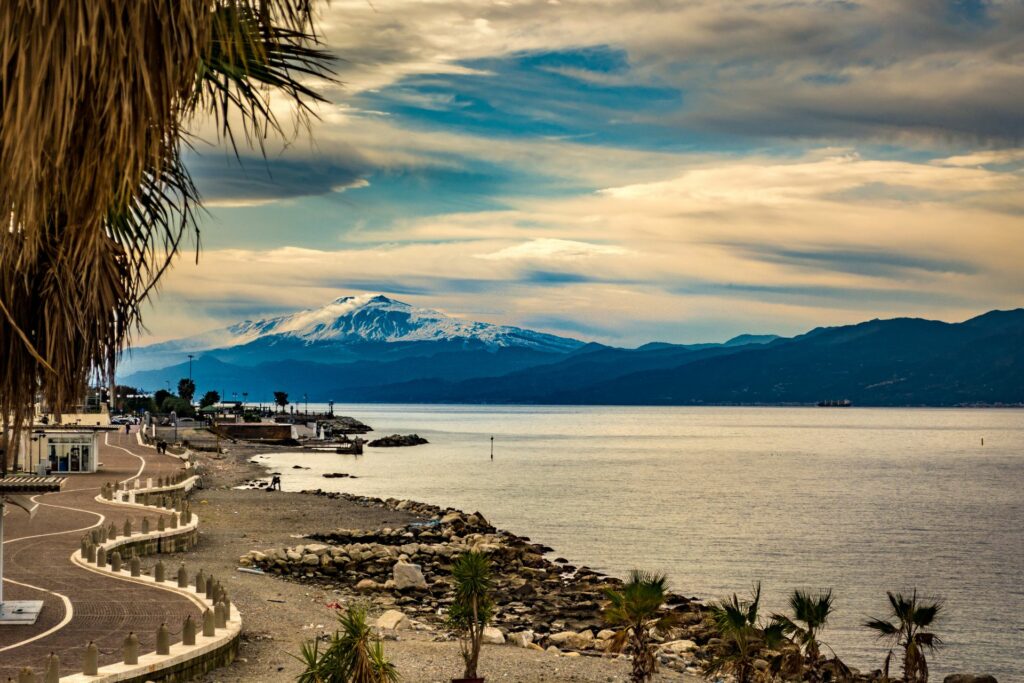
pixel 80 605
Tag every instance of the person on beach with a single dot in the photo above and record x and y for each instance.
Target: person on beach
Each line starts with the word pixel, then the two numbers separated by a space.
pixel 275 483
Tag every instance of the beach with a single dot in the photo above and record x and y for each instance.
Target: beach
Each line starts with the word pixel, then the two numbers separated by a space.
pixel 280 614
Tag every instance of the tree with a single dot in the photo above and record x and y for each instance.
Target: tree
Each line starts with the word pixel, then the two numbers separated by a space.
pixel 810 615
pixel 281 399
pixel 96 99
pixel 637 612
pixel 741 635
pixel 178 406
pixel 353 655
pixel 472 608
pixel 209 398
pixel 186 389
pixel 160 396
pixel 910 617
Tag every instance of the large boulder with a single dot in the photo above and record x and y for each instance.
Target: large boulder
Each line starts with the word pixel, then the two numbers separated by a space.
pixel 521 639
pixel 678 647
pixel 571 639
pixel 969 678
pixel 392 620
pixel 408 576
pixel 493 636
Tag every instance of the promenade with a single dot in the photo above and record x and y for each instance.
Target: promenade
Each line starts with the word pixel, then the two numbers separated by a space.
pixel 82 605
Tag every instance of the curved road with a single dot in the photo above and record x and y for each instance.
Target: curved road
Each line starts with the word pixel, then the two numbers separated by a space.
pixel 79 605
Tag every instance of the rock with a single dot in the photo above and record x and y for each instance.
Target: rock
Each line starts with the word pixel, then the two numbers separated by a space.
pixel 521 639
pixel 605 634
pixel 311 559
pixel 576 641
pixel 398 440
pixel 678 647
pixel 761 664
pixel 392 620
pixel 493 636
pixel 969 678
pixel 553 650
pixel 407 576
pixel 368 585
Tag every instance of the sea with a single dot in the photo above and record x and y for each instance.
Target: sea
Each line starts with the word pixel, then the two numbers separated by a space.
pixel 857 500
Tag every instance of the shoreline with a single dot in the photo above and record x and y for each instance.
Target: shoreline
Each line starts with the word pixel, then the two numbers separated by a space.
pixel 281 614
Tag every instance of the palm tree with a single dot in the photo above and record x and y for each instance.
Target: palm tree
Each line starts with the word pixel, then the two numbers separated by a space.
pixel 96 97
pixel 741 634
pixel 472 608
pixel 354 655
pixel 810 616
pixel 910 617
pixel 637 612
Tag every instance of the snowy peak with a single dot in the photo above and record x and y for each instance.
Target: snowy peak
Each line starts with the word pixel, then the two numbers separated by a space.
pixel 376 318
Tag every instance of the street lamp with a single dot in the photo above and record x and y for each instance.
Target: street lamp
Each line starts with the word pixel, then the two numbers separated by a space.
pixel 190 357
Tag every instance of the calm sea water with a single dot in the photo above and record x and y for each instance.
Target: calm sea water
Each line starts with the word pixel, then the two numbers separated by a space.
pixel 860 500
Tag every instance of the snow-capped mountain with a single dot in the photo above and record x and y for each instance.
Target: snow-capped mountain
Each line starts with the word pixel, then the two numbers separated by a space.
pixel 354 319
pixel 347 329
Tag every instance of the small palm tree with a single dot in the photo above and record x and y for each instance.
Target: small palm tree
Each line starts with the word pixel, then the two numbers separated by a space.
pixel 472 608
pixel 810 616
pixel 637 612
pixel 354 655
pixel 909 619
pixel 741 634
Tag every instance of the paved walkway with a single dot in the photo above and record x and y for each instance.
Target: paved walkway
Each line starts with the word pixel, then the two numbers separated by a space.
pixel 80 605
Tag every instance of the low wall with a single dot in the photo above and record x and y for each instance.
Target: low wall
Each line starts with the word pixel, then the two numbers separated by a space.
pixel 183 662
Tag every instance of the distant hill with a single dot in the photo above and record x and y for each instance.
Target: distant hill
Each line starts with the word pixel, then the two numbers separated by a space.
pixel 375 349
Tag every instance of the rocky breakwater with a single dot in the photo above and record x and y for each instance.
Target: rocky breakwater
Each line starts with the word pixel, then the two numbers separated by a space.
pixel 398 441
pixel 540 604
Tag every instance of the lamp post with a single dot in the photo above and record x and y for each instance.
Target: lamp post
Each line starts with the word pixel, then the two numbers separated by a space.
pixel 190 357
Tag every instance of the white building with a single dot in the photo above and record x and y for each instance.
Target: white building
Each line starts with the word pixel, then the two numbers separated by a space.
pixel 60 450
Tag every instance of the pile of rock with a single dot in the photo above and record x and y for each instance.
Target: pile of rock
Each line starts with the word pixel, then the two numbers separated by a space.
pixel 539 603
pixel 398 440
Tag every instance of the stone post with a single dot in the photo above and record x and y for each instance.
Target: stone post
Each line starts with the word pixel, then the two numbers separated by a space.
pixel 159 572
pixel 127 527
pixel 101 556
pixel 52 674
pixel 209 623
pixel 163 640
pixel 90 554
pixel 135 565
pixel 112 531
pixel 227 606
pixel 131 649
pixel 182 576
pixel 91 662
pixel 160 525
pixel 115 561
pixel 174 520
pixel 85 546
pixel 210 587
pixel 200 582
pixel 145 525
pixel 220 615
pixel 26 676
pixel 188 631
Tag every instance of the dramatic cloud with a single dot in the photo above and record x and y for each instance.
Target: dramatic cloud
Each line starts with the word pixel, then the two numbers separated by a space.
pixel 631 170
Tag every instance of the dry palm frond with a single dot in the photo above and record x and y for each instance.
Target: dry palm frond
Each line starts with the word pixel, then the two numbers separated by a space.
pixel 94 97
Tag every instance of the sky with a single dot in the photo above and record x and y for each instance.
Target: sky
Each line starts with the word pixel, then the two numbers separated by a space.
pixel 633 170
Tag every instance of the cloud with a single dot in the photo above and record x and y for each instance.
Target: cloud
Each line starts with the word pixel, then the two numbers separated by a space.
pixel 548 249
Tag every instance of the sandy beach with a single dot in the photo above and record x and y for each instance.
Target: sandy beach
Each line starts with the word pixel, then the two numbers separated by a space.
pixel 280 614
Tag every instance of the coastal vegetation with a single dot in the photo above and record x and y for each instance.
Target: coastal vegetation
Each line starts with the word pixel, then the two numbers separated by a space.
pixel 472 607
pixel 353 654
pixel 905 629
pixel 281 399
pixel 741 634
pixel 636 611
